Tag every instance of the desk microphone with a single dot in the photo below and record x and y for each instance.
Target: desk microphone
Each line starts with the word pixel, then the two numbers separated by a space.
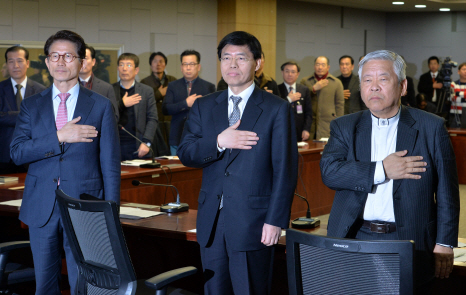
pixel 154 164
pixel 170 207
pixel 305 222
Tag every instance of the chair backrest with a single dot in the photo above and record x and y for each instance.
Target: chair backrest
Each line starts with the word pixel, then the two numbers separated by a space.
pixel 96 239
pixel 324 265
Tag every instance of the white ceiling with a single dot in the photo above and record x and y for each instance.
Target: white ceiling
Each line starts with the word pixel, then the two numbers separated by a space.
pixel 387 6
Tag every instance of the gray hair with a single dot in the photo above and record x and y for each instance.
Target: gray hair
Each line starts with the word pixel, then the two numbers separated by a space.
pixel 399 65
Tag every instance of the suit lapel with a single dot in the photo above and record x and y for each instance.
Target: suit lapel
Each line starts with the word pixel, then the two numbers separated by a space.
pixel 363 137
pixel 45 109
pixel 220 112
pixel 251 114
pixel 10 96
pixel 83 107
pixel 405 138
pixel 137 89
pixel 353 81
pixel 29 89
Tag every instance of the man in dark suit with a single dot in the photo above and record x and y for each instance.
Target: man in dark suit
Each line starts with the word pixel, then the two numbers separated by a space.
pixel 264 81
pixel 430 83
pixel 17 61
pixel 299 97
pixel 68 136
pixel 88 80
pixel 350 81
pixel 182 93
pixel 249 174
pixel 158 80
pixel 394 172
pixel 138 112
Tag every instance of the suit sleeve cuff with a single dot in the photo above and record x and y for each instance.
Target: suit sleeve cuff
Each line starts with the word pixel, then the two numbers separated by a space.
pixel 448 246
pixel 289 100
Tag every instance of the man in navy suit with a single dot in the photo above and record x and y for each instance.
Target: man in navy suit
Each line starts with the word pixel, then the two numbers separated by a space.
pixel 68 135
pixel 299 97
pixel 88 80
pixel 394 172
pixel 17 62
pixel 182 93
pixel 244 139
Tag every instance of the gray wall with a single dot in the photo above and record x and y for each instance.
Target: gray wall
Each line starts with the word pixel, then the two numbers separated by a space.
pixel 141 26
pixel 417 36
pixel 308 30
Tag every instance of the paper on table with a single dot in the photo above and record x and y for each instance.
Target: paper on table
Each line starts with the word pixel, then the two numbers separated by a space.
pixel 136 213
pixel 135 162
pixel 460 254
pixel 16 203
pixel 137 205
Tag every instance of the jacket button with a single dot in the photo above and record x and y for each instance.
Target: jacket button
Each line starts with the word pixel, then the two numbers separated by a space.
pixel 55 180
pixel 227 173
pixel 61 159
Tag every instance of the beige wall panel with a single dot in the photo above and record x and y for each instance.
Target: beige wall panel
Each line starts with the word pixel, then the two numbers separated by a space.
pixel 115 15
pixel 87 22
pixel 6 13
pixel 64 14
pixel 25 20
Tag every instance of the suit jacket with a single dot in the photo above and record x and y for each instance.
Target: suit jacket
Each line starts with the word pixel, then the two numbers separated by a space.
pixel 327 104
pixel 175 104
pixel 9 113
pixel 153 82
pixel 426 210
pixel 145 111
pixel 354 103
pixel 105 89
pixel 270 83
pixel 257 184
pixel 303 121
pixel 425 86
pixel 85 167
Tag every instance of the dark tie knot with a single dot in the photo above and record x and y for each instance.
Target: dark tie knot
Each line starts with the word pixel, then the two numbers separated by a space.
pixel 19 86
pixel 236 99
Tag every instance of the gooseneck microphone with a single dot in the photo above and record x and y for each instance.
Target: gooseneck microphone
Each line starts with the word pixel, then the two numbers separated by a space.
pixel 305 222
pixel 154 164
pixel 170 207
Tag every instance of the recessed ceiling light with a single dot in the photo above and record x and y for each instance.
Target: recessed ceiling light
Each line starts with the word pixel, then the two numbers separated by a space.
pixel 398 3
pixel 444 9
pixel 420 6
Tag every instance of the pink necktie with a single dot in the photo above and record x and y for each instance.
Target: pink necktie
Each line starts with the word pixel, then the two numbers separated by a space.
pixel 62 114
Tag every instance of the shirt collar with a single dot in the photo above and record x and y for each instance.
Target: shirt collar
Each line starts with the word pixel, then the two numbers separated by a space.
pixel 74 91
pixel 194 80
pixel 434 74
pixel 386 122
pixel 85 80
pixel 245 94
pixel 132 85
pixel 13 82
pixel 288 86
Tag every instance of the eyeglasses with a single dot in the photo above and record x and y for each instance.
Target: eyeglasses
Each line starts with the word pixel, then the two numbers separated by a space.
pixel 239 60
pixel 129 66
pixel 67 57
pixel 185 65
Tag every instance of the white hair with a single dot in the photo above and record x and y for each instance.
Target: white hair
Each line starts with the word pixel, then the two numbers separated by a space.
pixel 399 65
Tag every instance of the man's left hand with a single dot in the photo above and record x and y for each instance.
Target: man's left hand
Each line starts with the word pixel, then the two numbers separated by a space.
pixel 443 261
pixel 305 135
pixel 143 150
pixel 346 94
pixel 269 91
pixel 163 90
pixel 270 234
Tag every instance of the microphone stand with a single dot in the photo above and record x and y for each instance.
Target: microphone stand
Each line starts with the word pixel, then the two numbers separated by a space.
pixel 305 222
pixel 154 164
pixel 170 207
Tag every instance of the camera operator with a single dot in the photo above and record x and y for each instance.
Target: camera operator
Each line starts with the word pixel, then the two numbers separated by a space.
pixel 457 98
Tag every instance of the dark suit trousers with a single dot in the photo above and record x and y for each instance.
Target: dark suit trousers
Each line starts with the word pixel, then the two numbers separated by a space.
pixel 235 272
pixel 47 243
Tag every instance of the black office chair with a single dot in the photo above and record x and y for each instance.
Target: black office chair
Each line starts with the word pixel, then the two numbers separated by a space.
pixel 99 248
pixel 11 273
pixel 324 265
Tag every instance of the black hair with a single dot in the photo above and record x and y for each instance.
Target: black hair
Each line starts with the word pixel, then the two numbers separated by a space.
pixel 346 56
pixel 328 60
pixel 433 58
pixel 130 56
pixel 241 38
pixel 191 52
pixel 67 36
pixel 154 54
pixel 92 50
pixel 290 63
pixel 17 48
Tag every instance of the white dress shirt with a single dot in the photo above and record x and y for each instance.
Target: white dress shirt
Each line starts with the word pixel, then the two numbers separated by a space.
pixel 288 89
pixel 434 96
pixel 23 89
pixel 379 204
pixel 70 102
